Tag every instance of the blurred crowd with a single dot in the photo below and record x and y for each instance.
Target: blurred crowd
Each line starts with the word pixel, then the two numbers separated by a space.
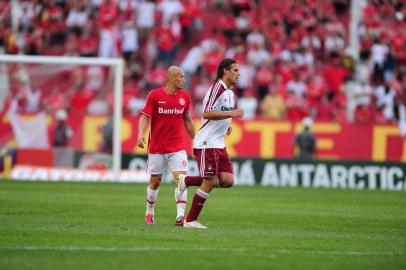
pixel 293 54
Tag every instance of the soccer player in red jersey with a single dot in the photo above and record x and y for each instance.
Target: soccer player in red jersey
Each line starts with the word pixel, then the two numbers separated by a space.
pixel 213 161
pixel 167 110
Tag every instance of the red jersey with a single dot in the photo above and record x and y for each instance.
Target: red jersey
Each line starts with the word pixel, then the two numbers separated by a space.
pixel 166 112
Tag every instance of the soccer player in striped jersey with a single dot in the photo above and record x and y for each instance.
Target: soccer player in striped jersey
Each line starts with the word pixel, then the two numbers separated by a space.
pixel 213 161
pixel 167 109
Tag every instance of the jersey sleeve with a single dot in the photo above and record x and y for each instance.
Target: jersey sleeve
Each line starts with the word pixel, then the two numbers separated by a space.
pixel 149 105
pixel 188 105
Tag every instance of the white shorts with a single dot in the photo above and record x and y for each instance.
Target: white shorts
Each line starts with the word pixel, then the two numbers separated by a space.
pixel 176 161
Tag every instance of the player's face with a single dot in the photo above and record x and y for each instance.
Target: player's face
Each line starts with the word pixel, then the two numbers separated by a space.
pixel 179 80
pixel 233 73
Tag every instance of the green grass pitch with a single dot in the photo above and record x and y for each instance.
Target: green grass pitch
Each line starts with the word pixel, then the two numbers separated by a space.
pixel 100 226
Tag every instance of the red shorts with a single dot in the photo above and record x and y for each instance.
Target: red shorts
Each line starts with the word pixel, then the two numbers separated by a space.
pixel 212 161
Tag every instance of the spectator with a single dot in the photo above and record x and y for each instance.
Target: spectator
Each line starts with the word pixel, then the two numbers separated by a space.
pixel 99 105
pixel 33 98
pixel 334 75
pixel 273 105
pixel 191 63
pixel 386 99
pixel 264 78
pixel 107 136
pixel 379 52
pixel 324 110
pixel 129 40
pixel 63 132
pixel 363 114
pixel 248 103
pixel 108 19
pixel 145 18
pixel 297 86
pixel 55 101
pixel 357 95
pixel 77 18
pixel 402 111
pixel 305 141
pixel 169 10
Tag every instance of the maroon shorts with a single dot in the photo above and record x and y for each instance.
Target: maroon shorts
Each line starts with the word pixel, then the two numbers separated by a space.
pixel 212 161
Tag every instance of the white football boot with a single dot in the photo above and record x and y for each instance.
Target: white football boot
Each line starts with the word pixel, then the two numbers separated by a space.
pixel 194 224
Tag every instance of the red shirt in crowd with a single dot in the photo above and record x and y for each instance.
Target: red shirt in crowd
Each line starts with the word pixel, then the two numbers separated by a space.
pixel 334 76
pixel 108 15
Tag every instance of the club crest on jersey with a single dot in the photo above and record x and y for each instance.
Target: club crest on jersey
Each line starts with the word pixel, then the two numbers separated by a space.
pixel 182 101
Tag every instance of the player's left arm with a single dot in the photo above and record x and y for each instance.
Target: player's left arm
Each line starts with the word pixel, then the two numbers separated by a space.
pixel 189 124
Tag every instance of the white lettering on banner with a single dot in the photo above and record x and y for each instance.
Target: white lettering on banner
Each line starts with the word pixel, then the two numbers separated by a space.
pixel 321 178
pixel 270 175
pixel 338 176
pixel 306 170
pixel 384 181
pixel 352 176
pixel 246 174
pixel 372 172
pixel 170 111
pixel 273 174
pixel 40 174
pixel 392 172
pixel 76 175
pixel 288 175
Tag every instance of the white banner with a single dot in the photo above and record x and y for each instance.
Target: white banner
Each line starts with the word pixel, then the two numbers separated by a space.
pixel 30 131
pixel 34 173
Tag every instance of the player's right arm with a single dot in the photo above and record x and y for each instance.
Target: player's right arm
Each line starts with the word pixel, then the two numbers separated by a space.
pixel 143 123
pixel 144 120
pixel 221 115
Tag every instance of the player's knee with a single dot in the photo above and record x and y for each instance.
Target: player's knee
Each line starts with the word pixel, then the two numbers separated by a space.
pixel 227 182
pixel 155 181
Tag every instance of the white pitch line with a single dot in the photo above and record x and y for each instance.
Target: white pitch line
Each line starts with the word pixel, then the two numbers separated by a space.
pixel 202 249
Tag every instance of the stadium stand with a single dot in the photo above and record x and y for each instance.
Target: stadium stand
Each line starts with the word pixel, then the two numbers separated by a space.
pixel 292 53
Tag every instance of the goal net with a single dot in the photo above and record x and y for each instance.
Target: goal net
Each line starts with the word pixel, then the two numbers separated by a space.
pixel 56 107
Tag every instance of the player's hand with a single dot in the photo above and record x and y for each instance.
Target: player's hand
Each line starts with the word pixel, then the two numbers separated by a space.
pixel 229 131
pixel 238 113
pixel 140 142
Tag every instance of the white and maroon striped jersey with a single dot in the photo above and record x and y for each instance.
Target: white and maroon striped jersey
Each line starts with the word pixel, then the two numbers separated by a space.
pixel 212 132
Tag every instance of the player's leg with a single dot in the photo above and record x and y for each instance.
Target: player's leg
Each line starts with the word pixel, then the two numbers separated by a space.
pixel 207 163
pixel 180 199
pixel 184 181
pixel 155 167
pixel 226 171
pixel 178 165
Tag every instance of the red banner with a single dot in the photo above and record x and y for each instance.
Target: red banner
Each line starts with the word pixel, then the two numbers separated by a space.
pixel 255 138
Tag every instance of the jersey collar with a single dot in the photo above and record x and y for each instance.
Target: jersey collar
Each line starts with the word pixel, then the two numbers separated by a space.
pixel 223 83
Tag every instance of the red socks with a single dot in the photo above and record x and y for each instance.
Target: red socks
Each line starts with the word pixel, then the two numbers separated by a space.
pixel 197 205
pixel 195 181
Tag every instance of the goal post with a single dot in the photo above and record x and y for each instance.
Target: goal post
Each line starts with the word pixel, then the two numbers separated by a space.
pixel 116 63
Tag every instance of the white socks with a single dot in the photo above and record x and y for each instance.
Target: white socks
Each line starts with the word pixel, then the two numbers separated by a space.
pixel 151 198
pixel 181 204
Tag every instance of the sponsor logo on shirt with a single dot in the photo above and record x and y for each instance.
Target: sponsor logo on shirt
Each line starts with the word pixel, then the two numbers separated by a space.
pixel 170 111
pixel 182 101
pixel 224 108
